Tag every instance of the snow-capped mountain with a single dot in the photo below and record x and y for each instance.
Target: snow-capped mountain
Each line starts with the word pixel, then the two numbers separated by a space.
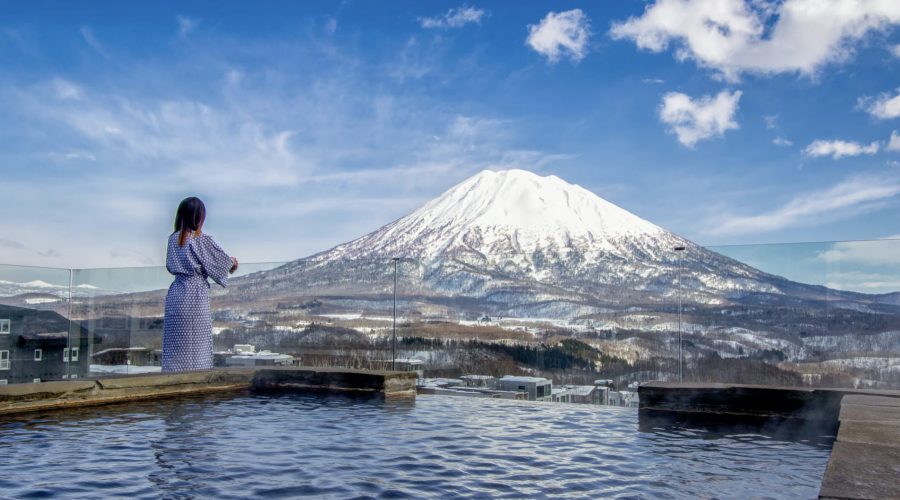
pixel 510 212
pixel 534 246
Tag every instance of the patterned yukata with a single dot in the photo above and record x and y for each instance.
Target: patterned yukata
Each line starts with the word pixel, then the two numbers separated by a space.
pixel 187 328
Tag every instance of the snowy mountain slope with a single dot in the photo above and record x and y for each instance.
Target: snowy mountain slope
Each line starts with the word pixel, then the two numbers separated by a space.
pixel 533 246
pixel 502 213
pixel 517 226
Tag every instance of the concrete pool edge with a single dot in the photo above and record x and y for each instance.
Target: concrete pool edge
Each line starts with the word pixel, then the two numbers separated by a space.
pixel 27 398
pixel 865 457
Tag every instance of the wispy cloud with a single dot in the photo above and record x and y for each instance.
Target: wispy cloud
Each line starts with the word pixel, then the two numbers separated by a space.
pixel 771 121
pixel 185 25
pixel 653 81
pixel 562 34
pixel 736 36
pixel 14 247
pixel 781 141
pixel 73 155
pixel 838 149
pixel 693 120
pixel 874 252
pixel 8 243
pixel 280 152
pixel 866 282
pixel 849 198
pixel 454 18
pixel 66 90
pixel 331 25
pixel 92 42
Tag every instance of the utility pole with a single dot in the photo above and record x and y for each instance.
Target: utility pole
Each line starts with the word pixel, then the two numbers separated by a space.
pixel 679 250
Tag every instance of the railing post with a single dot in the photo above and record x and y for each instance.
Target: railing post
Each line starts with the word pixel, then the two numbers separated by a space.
pixel 394 341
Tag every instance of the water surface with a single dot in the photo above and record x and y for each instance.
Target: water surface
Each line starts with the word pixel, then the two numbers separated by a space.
pixel 438 446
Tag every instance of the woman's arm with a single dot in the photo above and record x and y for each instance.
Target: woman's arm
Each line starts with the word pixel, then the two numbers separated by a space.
pixel 215 262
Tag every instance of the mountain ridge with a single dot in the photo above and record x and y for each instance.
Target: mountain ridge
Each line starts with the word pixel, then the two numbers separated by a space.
pixel 539 246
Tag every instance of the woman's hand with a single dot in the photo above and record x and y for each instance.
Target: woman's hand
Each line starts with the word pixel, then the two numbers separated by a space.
pixel 234 266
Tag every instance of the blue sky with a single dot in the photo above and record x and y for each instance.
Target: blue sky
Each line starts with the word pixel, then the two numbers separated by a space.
pixel 307 124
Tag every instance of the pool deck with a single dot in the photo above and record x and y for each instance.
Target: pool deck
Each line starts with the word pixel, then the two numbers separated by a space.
pixel 865 457
pixel 25 398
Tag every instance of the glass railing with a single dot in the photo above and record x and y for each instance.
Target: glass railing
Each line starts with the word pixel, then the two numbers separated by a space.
pixel 818 314
pixel 34 324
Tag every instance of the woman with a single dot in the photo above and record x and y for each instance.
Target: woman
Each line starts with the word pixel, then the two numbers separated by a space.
pixel 192 257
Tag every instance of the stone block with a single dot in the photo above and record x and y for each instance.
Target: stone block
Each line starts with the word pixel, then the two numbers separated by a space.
pixel 857 470
pixel 866 432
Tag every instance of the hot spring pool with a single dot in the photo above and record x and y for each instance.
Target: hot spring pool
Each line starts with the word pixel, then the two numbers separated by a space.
pixel 437 446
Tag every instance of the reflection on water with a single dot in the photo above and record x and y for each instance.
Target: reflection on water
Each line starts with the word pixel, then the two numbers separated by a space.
pixel 293 445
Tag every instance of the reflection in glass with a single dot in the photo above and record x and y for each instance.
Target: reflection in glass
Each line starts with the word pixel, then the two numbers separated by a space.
pixel 818 314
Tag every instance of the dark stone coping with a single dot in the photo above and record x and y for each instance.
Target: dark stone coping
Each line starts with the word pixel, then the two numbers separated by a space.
pixel 23 398
pixel 865 456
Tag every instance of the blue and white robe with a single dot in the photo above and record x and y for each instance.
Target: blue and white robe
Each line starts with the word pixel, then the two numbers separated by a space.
pixel 187 328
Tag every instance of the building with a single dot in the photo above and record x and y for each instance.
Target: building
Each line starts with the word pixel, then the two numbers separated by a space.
pixel 403 365
pixel 35 346
pixel 581 394
pixel 537 388
pixel 485 381
pixel 247 355
pixel 457 387
pixel 628 399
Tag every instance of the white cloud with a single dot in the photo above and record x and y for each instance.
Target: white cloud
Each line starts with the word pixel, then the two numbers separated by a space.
pixel 895 50
pixel 185 25
pixel 454 18
pixel 883 107
pixel 894 142
pixel 693 120
pixel 736 36
pixel 849 198
pixel 771 121
pixel 561 34
pixel 654 81
pixel 781 141
pixel 838 149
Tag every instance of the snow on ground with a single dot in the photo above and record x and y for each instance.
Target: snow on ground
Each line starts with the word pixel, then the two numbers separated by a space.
pixel 762 339
pixel 124 369
pixel 355 316
pixel 672 326
pixel 871 363
pixel 42 300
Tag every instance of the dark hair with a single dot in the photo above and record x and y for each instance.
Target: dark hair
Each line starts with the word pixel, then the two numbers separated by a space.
pixel 190 215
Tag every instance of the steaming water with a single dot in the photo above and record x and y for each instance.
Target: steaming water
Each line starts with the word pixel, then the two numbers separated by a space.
pixel 289 446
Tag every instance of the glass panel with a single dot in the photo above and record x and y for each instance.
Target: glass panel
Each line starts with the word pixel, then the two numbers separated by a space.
pixel 318 313
pixel 817 314
pixel 117 318
pixel 34 310
pixel 829 314
pixel 258 320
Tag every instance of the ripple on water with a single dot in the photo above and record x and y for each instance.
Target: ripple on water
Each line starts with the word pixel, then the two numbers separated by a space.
pixel 289 446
